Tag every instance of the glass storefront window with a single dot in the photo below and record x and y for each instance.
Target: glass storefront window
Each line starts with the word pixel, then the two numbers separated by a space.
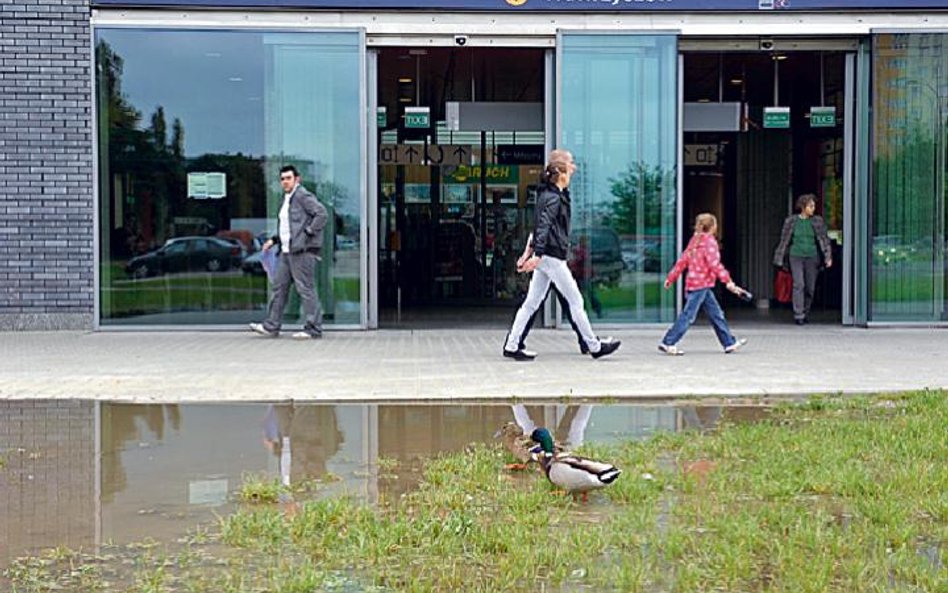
pixel 908 214
pixel 193 127
pixel 618 113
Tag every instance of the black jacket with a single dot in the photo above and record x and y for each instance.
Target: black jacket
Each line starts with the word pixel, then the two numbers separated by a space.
pixel 551 233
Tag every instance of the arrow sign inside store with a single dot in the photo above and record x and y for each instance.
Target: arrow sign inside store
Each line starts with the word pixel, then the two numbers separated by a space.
pixel 435 155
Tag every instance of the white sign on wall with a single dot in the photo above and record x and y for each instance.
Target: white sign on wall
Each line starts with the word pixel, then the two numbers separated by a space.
pixel 203 186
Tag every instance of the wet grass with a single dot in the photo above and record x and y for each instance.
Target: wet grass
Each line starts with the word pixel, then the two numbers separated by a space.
pixel 831 495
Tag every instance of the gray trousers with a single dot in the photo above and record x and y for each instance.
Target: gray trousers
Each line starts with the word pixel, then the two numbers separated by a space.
pixel 555 271
pixel 298 269
pixel 804 271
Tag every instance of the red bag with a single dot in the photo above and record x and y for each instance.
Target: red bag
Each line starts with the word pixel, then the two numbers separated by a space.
pixel 783 286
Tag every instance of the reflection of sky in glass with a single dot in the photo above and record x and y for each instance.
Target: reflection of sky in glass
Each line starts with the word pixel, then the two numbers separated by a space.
pixel 212 82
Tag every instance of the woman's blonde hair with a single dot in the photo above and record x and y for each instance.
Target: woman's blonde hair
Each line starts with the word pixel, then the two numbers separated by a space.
pixel 704 222
pixel 554 170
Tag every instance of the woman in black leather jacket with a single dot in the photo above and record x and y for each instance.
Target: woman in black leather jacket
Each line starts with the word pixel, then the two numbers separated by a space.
pixel 548 264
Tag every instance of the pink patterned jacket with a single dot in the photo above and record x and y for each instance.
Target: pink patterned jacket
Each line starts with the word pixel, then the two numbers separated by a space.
pixel 703 260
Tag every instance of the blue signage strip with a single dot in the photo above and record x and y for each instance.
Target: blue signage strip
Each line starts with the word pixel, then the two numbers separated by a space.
pixel 549 5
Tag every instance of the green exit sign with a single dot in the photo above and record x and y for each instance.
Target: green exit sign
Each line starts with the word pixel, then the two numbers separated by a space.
pixel 776 117
pixel 822 117
pixel 417 117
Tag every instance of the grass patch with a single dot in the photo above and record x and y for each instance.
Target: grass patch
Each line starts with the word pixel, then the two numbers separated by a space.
pixel 832 495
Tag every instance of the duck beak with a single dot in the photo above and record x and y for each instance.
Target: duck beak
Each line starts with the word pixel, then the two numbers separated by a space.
pixel 497 434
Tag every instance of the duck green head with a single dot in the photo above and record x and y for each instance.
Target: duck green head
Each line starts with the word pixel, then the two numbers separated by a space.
pixel 544 438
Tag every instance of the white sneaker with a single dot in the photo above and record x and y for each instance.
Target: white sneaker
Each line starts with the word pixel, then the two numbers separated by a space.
pixel 259 329
pixel 301 335
pixel 735 346
pixel 671 350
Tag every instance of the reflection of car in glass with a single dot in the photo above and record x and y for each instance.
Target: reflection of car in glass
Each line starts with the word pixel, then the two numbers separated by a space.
pixel 643 255
pixel 889 249
pixel 253 264
pixel 344 243
pixel 605 253
pixel 186 254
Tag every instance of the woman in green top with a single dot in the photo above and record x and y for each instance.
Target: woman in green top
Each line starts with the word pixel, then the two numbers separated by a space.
pixel 802 241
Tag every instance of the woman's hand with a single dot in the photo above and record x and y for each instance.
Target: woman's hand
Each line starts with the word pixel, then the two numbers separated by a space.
pixel 667 284
pixel 530 264
pixel 733 287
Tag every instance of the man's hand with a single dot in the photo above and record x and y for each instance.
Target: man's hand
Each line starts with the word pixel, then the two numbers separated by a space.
pixel 268 244
pixel 829 263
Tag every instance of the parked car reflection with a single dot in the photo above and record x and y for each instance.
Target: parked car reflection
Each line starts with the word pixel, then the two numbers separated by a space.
pixel 186 254
pixel 605 253
pixel 642 255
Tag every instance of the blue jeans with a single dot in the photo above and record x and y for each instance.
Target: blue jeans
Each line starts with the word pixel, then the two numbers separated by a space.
pixel 694 301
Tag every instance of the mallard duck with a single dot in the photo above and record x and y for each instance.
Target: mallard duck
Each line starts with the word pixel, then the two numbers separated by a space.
pixel 572 473
pixel 521 446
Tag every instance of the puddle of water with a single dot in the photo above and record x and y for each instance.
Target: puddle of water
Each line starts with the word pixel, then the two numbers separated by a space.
pixel 82 474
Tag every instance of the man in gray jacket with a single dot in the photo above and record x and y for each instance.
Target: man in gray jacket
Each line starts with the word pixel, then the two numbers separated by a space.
pixel 300 240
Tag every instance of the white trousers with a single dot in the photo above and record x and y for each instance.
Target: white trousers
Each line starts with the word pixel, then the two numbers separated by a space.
pixel 556 271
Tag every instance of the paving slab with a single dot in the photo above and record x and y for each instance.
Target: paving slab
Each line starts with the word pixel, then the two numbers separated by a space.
pixel 463 364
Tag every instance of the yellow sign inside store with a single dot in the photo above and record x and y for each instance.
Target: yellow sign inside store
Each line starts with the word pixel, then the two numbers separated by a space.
pixel 493 173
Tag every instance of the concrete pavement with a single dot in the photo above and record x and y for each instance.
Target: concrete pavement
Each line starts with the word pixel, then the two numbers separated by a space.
pixel 453 365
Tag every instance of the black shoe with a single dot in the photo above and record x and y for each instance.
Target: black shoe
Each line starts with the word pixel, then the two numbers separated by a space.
pixel 800 321
pixel 519 355
pixel 583 348
pixel 607 347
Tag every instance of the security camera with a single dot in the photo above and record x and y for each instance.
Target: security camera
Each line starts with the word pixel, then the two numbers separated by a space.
pixel 460 40
pixel 766 45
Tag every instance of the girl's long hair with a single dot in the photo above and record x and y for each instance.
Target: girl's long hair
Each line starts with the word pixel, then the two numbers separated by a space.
pixel 704 223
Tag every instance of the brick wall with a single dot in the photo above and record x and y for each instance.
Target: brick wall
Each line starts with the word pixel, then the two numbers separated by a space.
pixel 46 181
pixel 47 476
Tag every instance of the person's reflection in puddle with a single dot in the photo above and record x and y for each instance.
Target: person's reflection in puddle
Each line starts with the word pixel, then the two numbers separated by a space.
pixel 700 417
pixel 572 423
pixel 303 438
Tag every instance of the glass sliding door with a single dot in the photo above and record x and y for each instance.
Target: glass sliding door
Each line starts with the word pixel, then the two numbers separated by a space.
pixel 617 111
pixel 907 200
pixel 193 127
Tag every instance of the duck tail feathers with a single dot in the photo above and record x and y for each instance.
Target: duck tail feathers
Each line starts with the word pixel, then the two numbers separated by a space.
pixel 609 476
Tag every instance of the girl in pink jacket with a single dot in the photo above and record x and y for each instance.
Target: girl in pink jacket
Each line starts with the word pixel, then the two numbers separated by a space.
pixel 702 259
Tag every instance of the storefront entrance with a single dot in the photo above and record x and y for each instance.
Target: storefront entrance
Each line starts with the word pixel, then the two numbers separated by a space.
pixel 461 145
pixel 463 135
pixel 760 129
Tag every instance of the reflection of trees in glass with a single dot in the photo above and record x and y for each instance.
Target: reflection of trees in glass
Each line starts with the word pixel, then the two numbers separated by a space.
pixel 150 170
pixel 906 182
pixel 642 200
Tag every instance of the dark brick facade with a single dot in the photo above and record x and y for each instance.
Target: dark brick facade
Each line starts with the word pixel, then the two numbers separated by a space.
pixel 46 176
pixel 47 476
